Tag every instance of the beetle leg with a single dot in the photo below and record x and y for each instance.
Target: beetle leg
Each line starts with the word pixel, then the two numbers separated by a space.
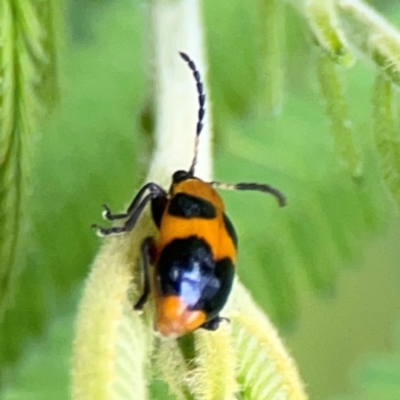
pixel 213 324
pixel 133 212
pixel 155 190
pixel 145 250
pixel 129 224
pixel 109 216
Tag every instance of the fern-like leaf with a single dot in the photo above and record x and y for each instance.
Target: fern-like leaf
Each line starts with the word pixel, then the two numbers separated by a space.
pixel 20 43
pixel 324 24
pixel 23 57
pixel 332 91
pixel 373 35
pixel 387 139
pixel 271 69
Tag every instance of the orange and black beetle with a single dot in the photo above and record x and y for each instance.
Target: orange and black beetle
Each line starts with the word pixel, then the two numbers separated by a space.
pixel 195 253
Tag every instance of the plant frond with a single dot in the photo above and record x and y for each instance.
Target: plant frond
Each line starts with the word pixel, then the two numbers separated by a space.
pixel 214 375
pixel 51 19
pixel 387 139
pixel 265 369
pixel 17 119
pixel 23 57
pixel 324 23
pixel 373 35
pixel 332 91
pixel 112 343
pixel 173 369
pixel 271 69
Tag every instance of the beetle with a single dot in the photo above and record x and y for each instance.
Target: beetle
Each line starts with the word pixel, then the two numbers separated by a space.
pixel 194 256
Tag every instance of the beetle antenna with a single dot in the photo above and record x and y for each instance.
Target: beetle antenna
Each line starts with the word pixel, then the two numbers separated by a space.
pixel 202 110
pixel 281 199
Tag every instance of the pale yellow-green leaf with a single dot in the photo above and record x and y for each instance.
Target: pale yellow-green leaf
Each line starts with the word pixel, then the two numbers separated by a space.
pixel 265 369
pixel 112 342
pixel 214 375
pixel 173 369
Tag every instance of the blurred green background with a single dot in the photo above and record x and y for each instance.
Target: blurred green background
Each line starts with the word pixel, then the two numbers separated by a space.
pixel 325 269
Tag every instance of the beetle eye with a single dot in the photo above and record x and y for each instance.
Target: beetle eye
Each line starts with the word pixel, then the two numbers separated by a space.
pixel 180 175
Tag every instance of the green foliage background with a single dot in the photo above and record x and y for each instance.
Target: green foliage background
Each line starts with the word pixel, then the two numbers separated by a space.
pixel 95 147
